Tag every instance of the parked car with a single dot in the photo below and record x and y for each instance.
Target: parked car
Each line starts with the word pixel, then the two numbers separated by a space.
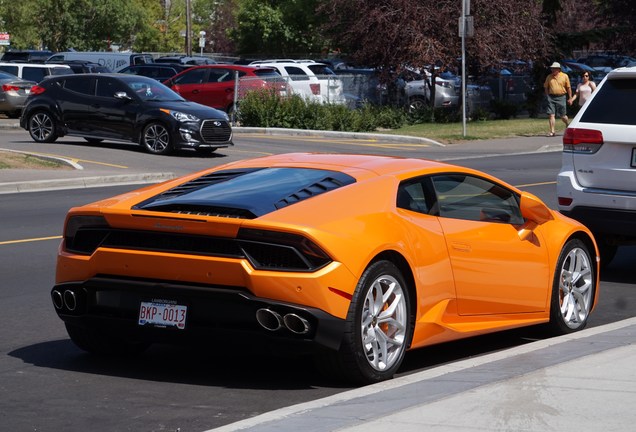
pixel 213 85
pixel 122 107
pixel 309 79
pixel 417 253
pixel 26 56
pixel 597 181
pixel 83 66
pixel 575 70
pixel 13 94
pixel 34 71
pixel 158 71
pixel 114 61
pixel 418 92
pixel 188 60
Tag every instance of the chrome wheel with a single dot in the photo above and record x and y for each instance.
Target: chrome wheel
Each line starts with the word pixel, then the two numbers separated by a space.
pixel 384 323
pixel 576 286
pixel 156 139
pixel 42 127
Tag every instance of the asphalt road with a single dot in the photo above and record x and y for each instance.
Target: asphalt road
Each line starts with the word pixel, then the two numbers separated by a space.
pixel 47 384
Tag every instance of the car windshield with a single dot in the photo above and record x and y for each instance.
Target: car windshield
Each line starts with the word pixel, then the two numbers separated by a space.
pixel 151 90
pixel 267 73
pixel 6 75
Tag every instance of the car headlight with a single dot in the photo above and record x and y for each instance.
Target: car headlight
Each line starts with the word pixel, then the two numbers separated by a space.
pixel 182 117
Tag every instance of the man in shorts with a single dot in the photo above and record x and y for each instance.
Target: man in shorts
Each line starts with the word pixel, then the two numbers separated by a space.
pixel 558 93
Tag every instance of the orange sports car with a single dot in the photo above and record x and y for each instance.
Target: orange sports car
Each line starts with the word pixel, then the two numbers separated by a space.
pixel 360 257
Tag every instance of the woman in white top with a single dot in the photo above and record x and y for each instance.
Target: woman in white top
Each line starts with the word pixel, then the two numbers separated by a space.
pixel 584 90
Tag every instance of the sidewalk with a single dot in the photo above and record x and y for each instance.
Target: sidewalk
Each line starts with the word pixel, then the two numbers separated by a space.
pixel 585 381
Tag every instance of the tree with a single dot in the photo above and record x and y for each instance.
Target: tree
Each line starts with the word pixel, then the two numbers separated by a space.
pixel 277 27
pixel 396 33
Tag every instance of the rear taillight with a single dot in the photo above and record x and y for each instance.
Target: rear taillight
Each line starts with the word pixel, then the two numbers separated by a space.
pixel 577 140
pixel 36 90
pixel 9 87
pixel 315 89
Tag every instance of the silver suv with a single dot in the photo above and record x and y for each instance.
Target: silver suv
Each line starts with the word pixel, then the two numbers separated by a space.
pixel 597 181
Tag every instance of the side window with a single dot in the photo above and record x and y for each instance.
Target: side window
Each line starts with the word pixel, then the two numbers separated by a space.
pixel 467 197
pixel 417 195
pixel 33 73
pixel 13 70
pixel 196 76
pixel 83 86
pixel 218 75
pixel 296 73
pixel 108 88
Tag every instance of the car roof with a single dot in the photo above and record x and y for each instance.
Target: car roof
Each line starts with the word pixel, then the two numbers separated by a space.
pixel 356 165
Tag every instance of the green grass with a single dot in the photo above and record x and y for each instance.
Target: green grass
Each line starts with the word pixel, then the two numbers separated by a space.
pixel 478 129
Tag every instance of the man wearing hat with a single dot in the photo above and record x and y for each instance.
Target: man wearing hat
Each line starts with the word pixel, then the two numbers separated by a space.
pixel 557 87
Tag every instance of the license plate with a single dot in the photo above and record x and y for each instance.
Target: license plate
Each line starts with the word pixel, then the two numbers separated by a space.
pixel 159 314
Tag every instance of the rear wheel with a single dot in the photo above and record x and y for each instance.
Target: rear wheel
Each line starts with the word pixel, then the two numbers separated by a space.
pixel 42 127
pixel 156 139
pixel 96 342
pixel 378 328
pixel 573 289
pixel 417 104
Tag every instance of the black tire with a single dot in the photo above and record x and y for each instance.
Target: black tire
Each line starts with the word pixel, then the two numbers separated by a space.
pixel 156 139
pixel 418 104
pixel 96 342
pixel 42 127
pixel 94 140
pixel 367 362
pixel 573 288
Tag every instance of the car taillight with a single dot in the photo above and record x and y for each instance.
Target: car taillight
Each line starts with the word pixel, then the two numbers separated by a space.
pixel 577 140
pixel 9 87
pixel 315 89
pixel 36 90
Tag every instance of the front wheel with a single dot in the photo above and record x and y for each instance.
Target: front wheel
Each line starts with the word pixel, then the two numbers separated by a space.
pixel 378 327
pixel 42 127
pixel 573 289
pixel 156 139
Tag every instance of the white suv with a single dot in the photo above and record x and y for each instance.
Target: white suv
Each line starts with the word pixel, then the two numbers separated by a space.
pixel 311 80
pixel 597 182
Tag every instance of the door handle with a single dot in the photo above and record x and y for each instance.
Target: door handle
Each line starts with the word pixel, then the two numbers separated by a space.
pixel 461 247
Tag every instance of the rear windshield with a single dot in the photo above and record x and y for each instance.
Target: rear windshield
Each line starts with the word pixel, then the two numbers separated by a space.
pixel 615 103
pixel 256 191
pixel 266 73
pixel 320 69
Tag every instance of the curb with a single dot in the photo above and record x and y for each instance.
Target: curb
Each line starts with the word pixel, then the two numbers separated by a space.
pixel 84 182
pixel 335 134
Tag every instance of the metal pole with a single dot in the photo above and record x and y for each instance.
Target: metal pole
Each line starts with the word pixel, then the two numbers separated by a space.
pixel 464 79
pixel 188 38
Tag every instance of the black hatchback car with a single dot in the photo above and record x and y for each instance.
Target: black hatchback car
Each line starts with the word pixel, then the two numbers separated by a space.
pixel 121 107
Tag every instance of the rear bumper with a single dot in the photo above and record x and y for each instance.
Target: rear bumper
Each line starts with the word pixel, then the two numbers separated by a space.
pixel 604 212
pixel 111 305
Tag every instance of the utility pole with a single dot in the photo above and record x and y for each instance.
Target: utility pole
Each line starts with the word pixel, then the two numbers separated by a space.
pixel 188 37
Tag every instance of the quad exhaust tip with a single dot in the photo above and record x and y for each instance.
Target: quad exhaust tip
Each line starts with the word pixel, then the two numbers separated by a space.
pixel 67 299
pixel 273 321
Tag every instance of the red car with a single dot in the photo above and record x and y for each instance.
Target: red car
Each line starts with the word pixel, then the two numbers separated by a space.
pixel 213 85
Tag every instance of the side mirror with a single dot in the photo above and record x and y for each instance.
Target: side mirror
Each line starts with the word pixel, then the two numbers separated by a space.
pixel 123 96
pixel 533 209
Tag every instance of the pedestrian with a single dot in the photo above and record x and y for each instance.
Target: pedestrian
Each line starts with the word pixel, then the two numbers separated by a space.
pixel 584 90
pixel 557 87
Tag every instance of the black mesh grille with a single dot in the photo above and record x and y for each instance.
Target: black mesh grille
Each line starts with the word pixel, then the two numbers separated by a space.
pixel 216 131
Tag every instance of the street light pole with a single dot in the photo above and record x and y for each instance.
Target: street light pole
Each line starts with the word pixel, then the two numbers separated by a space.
pixel 463 32
pixel 188 38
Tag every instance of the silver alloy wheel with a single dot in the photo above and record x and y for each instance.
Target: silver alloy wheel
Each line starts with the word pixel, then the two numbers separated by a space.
pixel 576 284
pixel 156 138
pixel 384 323
pixel 41 127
